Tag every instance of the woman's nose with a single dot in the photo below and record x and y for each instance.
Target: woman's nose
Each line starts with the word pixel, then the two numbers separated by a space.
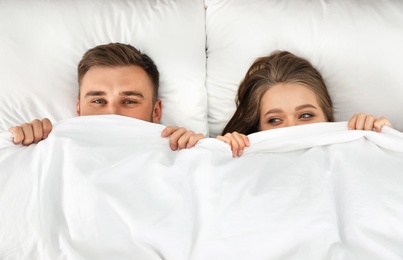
pixel 290 122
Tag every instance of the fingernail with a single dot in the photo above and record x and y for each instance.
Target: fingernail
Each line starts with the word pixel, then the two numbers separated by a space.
pixel 240 153
pixel 173 147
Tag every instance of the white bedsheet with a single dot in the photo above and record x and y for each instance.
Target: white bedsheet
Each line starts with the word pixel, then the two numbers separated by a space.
pixel 109 187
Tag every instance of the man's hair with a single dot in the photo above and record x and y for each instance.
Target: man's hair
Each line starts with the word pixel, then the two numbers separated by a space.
pixel 118 54
pixel 281 67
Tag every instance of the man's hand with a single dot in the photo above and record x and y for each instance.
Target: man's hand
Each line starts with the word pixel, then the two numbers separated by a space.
pixel 33 132
pixel 363 121
pixel 180 138
pixel 237 141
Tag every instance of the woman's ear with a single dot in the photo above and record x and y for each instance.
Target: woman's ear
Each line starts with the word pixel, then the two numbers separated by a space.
pixel 157 111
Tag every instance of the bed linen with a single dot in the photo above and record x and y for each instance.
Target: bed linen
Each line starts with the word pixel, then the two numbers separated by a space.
pixel 109 187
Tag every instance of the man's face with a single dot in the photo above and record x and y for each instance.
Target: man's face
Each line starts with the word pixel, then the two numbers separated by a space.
pixel 120 90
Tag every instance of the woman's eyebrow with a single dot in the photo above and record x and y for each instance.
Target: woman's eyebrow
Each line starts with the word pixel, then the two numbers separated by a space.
pixel 305 106
pixel 278 110
pixel 273 111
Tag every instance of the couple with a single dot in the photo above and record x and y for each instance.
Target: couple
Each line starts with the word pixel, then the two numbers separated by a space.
pixel 278 90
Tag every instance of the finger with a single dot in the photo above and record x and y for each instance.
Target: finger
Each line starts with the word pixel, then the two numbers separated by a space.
pixel 382 121
pixel 246 140
pixel 221 138
pixel 37 130
pixel 228 140
pixel 241 143
pixel 168 131
pixel 369 123
pixel 174 137
pixel 385 121
pixel 233 143
pixel 28 134
pixel 46 127
pixel 18 134
pixel 194 139
pixel 360 123
pixel 352 122
pixel 224 139
pixel 184 139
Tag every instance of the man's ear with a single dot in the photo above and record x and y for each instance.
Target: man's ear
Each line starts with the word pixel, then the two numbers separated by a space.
pixel 157 111
pixel 78 107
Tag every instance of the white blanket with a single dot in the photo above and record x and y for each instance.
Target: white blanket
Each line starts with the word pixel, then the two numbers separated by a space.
pixel 109 187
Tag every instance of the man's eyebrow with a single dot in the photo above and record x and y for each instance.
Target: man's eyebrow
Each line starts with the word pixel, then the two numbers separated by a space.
pixel 95 93
pixel 131 93
pixel 123 93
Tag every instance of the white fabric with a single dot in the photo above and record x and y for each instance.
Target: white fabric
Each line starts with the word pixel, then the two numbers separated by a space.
pixel 109 187
pixel 355 46
pixel 42 42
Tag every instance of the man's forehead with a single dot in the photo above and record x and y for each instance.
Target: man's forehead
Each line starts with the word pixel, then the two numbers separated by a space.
pixel 129 80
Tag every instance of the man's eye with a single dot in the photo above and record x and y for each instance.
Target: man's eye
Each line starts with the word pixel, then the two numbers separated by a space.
pixel 99 101
pixel 130 102
pixel 306 115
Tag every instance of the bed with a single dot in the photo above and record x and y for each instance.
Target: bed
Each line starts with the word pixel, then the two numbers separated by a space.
pixel 109 187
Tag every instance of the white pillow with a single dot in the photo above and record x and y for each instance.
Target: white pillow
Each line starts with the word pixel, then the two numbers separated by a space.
pixel 357 47
pixel 42 43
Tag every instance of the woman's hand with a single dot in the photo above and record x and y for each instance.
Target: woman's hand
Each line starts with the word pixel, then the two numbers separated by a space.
pixel 237 141
pixel 363 121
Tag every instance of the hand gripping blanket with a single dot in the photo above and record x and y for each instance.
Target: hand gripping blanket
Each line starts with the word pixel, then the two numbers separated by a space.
pixel 109 187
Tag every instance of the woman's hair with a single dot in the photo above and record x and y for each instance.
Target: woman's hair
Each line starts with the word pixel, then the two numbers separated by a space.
pixel 280 67
pixel 119 54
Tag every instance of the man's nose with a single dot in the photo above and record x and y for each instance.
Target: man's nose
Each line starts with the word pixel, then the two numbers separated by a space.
pixel 113 109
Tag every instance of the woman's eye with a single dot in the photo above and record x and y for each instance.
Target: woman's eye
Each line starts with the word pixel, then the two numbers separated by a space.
pixel 274 120
pixel 306 115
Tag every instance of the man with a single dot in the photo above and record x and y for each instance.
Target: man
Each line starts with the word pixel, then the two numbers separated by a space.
pixel 116 79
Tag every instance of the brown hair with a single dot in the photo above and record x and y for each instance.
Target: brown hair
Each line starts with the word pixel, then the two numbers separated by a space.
pixel 119 54
pixel 266 72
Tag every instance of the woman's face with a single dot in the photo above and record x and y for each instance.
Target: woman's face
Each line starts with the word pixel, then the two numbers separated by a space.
pixel 289 105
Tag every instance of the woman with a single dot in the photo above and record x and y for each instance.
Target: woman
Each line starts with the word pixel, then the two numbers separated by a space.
pixel 282 90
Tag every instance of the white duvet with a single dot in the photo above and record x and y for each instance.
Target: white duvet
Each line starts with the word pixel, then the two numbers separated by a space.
pixel 109 187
